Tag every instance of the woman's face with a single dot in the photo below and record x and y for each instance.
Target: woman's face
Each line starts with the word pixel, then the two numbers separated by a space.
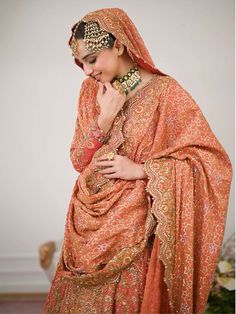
pixel 102 65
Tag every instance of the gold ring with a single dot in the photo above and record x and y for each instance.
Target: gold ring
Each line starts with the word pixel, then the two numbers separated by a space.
pixel 110 156
pixel 119 87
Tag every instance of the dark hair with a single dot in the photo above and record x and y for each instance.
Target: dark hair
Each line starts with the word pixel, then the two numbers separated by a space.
pixel 79 34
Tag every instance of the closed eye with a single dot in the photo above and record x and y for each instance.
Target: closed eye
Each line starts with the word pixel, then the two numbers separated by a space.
pixel 92 61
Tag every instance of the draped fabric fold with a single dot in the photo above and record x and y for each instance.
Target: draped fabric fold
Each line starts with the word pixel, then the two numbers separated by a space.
pixel 189 181
pixel 159 236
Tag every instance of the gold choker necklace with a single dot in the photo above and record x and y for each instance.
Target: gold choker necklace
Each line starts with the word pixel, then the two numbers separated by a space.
pixel 127 82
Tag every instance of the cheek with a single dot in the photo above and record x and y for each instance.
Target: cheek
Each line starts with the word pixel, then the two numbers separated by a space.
pixel 107 63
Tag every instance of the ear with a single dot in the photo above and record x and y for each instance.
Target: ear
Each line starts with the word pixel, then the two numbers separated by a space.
pixel 119 47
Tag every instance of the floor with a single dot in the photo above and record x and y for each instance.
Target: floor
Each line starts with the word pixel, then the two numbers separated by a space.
pixel 22 304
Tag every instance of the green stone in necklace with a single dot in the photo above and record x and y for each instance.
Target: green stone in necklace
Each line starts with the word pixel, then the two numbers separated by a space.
pixel 130 80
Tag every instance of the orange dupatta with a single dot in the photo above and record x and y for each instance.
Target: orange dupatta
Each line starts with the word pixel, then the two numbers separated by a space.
pixel 189 181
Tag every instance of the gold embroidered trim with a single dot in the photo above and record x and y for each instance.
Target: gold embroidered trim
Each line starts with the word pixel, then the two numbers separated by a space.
pixel 160 172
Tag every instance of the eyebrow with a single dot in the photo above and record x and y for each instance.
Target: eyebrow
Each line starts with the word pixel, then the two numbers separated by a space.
pixel 89 54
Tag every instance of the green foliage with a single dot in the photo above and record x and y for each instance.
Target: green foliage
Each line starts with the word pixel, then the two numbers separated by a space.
pixel 221 299
pixel 221 304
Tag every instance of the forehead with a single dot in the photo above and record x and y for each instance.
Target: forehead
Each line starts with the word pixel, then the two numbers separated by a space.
pixel 82 53
pixel 81 50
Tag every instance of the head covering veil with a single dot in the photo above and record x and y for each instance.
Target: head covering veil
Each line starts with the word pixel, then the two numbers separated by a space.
pixel 117 22
pixel 183 203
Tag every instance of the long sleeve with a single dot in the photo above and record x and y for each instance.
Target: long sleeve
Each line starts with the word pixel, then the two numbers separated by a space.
pixel 88 137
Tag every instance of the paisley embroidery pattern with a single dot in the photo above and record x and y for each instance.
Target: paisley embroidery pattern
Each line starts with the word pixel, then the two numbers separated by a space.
pixel 107 245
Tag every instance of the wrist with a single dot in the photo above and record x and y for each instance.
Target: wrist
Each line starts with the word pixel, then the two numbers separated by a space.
pixel 141 174
pixel 98 133
pixel 104 123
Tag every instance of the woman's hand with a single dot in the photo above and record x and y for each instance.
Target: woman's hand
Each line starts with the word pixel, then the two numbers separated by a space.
pixel 121 167
pixel 110 101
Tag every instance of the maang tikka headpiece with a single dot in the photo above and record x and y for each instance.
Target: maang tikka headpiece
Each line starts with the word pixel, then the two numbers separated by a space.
pixel 95 38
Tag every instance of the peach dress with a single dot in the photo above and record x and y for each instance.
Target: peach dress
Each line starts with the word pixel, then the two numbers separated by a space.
pixel 145 246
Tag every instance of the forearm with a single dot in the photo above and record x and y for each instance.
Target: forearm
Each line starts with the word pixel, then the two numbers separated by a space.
pixel 82 151
pixel 94 140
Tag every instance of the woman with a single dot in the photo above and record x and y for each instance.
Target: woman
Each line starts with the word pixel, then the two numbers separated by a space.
pixel 146 219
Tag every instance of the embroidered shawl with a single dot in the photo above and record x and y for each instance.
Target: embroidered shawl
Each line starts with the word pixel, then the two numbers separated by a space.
pixel 183 202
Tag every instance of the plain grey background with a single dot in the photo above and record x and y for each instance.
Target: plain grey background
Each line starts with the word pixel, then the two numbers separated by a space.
pixel 193 41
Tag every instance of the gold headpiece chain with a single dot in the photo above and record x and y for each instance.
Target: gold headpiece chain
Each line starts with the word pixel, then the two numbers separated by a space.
pixel 95 38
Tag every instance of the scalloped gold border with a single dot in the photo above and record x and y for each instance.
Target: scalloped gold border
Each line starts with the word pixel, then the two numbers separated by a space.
pixel 160 186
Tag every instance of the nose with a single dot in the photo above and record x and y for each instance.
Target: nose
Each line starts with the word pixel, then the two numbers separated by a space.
pixel 87 69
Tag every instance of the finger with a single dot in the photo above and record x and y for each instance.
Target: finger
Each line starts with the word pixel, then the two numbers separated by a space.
pixel 108 170
pixel 104 163
pixel 105 157
pixel 108 86
pixel 100 89
pixel 112 176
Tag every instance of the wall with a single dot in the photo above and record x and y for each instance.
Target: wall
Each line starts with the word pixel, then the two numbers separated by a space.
pixel 193 41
